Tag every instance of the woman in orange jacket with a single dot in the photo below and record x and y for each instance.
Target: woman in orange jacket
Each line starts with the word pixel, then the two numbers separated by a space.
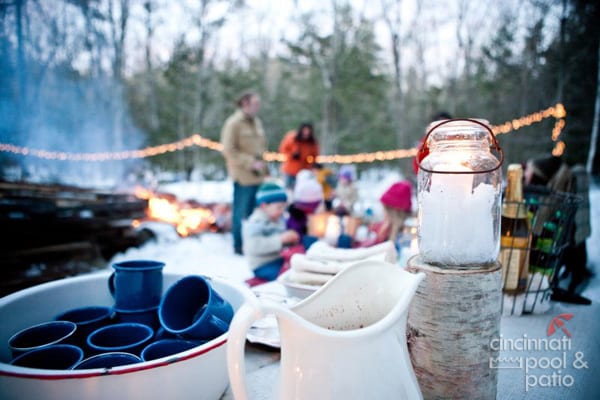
pixel 300 148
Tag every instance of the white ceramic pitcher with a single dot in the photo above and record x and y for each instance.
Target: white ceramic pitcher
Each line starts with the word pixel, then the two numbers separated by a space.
pixel 345 341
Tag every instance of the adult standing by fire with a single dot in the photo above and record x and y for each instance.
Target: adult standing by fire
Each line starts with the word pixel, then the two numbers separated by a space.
pixel 244 143
pixel 301 149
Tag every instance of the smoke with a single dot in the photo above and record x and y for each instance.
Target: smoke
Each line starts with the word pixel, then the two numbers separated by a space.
pixel 61 112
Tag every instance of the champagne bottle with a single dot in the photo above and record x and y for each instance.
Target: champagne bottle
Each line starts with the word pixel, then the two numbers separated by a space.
pixel 515 233
pixel 542 248
pixel 544 255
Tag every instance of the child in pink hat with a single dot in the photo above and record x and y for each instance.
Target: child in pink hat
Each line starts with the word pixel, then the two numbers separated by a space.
pixel 397 206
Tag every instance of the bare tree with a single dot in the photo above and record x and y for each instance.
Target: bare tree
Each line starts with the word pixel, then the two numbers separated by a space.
pixel 561 78
pixel 207 23
pixel 464 40
pixel 38 38
pixel 317 51
pixel 392 16
pixel 327 54
pixel 118 32
pixel 417 38
pixel 21 67
pixel 150 86
pixel 594 136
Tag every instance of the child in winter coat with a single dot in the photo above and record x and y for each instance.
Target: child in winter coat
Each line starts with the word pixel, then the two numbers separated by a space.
pixel 397 207
pixel 346 192
pixel 265 233
pixel 328 181
pixel 308 195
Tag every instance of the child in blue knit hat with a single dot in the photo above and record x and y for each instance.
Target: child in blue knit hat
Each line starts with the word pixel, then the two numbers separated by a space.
pixel 264 232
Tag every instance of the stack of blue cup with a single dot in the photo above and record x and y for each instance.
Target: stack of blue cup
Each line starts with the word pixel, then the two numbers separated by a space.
pixel 137 287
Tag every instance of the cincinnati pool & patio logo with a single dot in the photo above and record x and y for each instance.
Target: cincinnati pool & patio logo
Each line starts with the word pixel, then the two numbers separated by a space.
pixel 547 361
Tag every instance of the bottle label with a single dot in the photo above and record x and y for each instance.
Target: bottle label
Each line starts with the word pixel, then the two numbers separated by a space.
pixel 514 257
pixel 544 244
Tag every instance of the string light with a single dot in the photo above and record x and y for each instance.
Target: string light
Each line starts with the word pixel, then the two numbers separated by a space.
pixel 558 149
pixel 557 111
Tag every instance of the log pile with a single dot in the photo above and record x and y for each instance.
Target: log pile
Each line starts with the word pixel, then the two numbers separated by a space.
pixel 43 223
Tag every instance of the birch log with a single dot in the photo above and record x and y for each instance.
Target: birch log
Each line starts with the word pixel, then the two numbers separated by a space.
pixel 452 319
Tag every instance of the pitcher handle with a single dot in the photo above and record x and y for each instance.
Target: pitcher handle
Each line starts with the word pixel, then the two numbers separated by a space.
pixel 111 284
pixel 243 319
pixel 240 325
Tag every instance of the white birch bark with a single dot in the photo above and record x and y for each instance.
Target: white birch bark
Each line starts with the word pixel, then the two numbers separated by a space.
pixel 452 320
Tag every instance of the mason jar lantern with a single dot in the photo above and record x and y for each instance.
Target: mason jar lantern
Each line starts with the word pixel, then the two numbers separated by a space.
pixel 459 193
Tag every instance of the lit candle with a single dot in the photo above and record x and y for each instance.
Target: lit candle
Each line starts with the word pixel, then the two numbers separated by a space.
pixel 458 196
pixel 456 221
pixel 332 231
pixel 317 224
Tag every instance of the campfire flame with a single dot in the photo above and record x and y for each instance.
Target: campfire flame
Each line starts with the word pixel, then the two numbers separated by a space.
pixel 186 218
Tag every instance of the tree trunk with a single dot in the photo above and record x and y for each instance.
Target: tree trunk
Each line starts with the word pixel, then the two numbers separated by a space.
pixel 150 85
pixel 560 84
pixel 394 27
pixel 21 67
pixel 118 33
pixel 594 136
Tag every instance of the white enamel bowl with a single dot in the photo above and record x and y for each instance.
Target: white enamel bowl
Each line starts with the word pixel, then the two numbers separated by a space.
pixel 198 373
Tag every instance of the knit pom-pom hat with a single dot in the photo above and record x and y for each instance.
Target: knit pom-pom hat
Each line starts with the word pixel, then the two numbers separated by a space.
pixel 305 174
pixel 346 172
pixel 270 192
pixel 398 196
pixel 308 194
pixel 308 190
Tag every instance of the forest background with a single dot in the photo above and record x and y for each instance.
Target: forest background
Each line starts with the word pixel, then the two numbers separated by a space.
pixel 112 75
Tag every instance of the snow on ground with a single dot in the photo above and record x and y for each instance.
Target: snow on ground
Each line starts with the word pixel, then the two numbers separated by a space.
pixel 205 192
pixel 209 254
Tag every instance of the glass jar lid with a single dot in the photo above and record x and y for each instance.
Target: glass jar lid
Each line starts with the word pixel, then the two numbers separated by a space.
pixel 461 130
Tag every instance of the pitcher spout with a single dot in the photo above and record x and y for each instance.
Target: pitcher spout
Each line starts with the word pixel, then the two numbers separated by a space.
pixel 367 295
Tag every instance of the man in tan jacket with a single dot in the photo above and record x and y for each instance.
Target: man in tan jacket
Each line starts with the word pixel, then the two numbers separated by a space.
pixel 244 143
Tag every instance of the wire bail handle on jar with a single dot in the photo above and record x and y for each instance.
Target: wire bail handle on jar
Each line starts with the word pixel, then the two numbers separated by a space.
pixel 424 150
